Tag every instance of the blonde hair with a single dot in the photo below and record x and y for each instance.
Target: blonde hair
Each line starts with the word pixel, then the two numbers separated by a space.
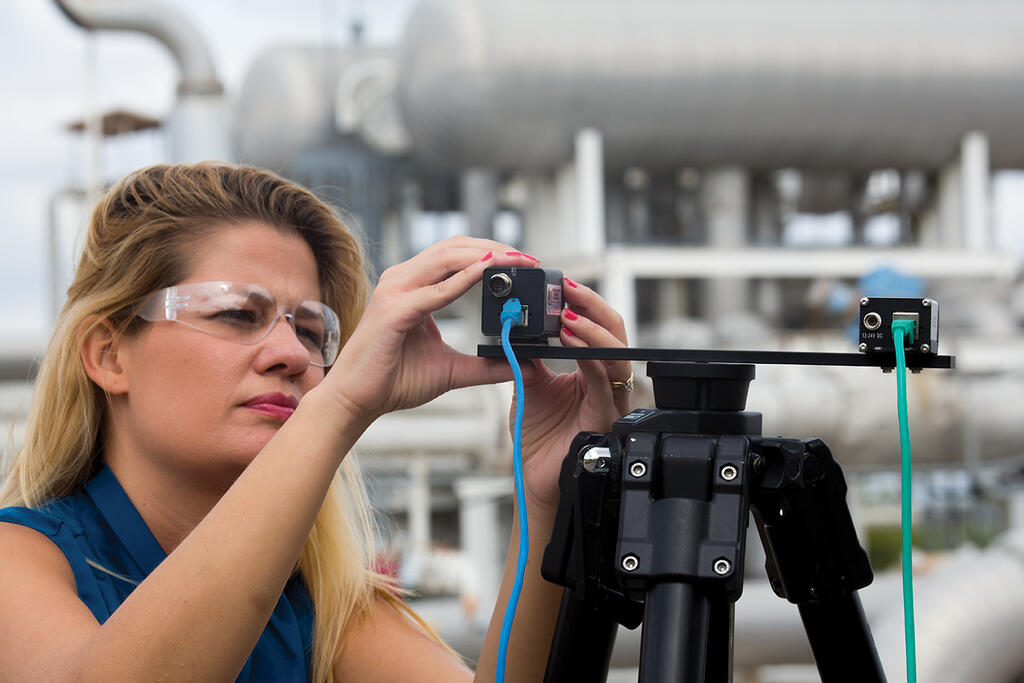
pixel 138 241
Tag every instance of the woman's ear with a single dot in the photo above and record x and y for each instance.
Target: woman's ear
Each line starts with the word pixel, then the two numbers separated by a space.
pixel 102 351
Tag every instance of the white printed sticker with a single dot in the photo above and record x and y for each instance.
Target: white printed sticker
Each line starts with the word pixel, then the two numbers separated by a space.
pixel 554 299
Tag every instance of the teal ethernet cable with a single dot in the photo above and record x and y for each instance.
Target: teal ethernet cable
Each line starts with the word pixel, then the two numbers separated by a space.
pixel 902 329
pixel 512 314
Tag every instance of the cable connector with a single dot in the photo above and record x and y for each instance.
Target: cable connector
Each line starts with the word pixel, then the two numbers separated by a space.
pixel 908 329
pixel 513 310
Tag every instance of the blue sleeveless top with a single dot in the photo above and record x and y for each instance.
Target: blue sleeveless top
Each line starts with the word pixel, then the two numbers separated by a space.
pixel 99 526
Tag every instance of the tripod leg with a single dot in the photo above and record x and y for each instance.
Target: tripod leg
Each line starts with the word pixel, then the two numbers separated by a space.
pixel 841 641
pixel 581 649
pixel 674 642
pixel 720 632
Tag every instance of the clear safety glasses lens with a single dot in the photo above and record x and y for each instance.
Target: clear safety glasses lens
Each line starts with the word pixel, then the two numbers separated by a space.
pixel 245 314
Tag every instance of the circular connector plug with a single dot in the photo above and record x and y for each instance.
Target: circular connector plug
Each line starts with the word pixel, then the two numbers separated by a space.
pixel 872 321
pixel 499 285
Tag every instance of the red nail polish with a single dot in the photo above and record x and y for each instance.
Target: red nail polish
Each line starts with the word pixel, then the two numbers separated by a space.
pixel 567 332
pixel 487 256
pixel 570 315
pixel 569 282
pixel 519 253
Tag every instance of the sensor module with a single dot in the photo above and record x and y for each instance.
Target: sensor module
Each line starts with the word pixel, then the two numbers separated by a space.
pixel 878 313
pixel 540 292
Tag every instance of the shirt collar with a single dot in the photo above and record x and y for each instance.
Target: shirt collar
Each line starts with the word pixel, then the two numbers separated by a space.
pixel 120 514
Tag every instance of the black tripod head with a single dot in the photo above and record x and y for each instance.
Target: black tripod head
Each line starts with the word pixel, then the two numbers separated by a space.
pixel 700 386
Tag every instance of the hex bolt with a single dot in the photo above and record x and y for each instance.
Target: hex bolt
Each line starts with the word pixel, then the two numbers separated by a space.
pixel 865 301
pixel 722 566
pixel 595 459
pixel 638 469
pixel 630 562
pixel 925 348
pixel 757 464
pixel 728 472
pixel 863 347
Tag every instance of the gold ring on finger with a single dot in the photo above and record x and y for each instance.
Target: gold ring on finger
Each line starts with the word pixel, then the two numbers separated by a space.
pixel 622 386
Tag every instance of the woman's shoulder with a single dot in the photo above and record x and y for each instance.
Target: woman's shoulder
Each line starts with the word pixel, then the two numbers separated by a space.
pixel 29 540
pixel 51 518
pixel 40 530
pixel 52 542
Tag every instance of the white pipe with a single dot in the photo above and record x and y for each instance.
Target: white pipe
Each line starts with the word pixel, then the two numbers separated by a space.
pixel 419 504
pixel 167 25
pixel 589 163
pixel 974 179
pixel 480 533
pixel 198 127
pixel 726 197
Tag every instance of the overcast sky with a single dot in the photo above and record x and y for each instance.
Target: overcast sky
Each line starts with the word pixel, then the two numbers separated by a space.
pixel 44 86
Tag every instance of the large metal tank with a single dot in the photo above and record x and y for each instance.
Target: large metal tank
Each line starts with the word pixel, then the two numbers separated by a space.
pixel 688 82
pixel 298 98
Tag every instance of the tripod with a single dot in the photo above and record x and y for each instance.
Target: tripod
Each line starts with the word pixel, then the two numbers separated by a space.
pixel 651 528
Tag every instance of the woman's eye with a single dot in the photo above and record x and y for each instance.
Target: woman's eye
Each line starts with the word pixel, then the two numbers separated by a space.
pixel 314 337
pixel 237 316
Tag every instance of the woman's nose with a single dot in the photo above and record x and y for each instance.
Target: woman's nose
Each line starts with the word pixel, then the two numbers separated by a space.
pixel 283 347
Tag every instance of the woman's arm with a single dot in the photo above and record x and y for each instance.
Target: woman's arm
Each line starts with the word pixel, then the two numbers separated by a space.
pixel 200 613
pixel 558 406
pixel 536 611
pixel 386 645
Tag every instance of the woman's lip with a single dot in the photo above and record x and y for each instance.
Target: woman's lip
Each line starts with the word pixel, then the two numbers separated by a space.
pixel 271 410
pixel 275 405
pixel 274 399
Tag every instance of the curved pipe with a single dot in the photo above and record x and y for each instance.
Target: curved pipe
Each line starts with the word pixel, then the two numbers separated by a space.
pixel 967 614
pixel 167 25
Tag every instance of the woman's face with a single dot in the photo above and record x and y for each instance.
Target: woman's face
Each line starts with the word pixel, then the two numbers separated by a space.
pixel 203 403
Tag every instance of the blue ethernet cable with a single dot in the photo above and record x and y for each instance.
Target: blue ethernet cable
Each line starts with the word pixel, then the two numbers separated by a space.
pixel 902 329
pixel 511 314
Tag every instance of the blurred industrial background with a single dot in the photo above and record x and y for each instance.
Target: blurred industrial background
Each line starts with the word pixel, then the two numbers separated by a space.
pixel 729 174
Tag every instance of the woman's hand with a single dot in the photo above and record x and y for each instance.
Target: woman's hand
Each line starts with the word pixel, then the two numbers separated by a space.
pixel 558 406
pixel 396 359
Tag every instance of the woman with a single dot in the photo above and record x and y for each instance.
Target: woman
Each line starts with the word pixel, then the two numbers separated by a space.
pixel 177 510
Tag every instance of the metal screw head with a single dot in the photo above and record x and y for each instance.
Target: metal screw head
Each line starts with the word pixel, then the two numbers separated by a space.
pixel 925 348
pixel 728 472
pixel 926 302
pixel 722 566
pixel 863 347
pixel 638 469
pixel 865 301
pixel 630 562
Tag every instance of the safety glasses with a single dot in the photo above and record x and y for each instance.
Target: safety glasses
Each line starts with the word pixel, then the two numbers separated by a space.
pixel 245 314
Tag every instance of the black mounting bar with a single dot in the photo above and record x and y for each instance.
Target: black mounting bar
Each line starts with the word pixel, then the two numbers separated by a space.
pixel 915 360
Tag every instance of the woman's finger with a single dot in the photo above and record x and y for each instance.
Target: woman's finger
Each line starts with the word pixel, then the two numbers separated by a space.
pixel 584 300
pixel 595 334
pixel 470 371
pixel 439 261
pixel 437 295
pixel 578 330
pixel 593 370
